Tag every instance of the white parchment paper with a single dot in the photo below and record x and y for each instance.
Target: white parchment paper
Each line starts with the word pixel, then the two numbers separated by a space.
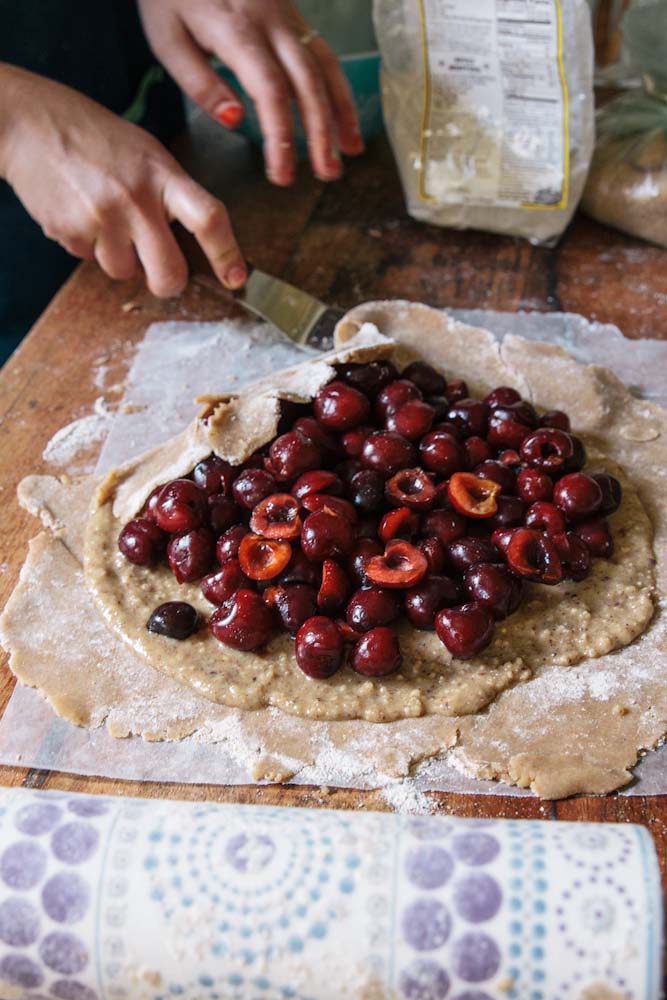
pixel 177 361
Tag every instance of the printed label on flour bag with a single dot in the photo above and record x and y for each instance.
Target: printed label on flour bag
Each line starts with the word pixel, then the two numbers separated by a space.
pixel 489 109
pixel 495 103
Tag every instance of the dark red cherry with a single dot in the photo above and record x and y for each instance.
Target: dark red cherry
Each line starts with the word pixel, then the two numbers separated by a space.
pixel 470 415
pixel 218 587
pixel 547 450
pixel 181 506
pixel 612 494
pixel 578 495
pixel 214 475
pixel 174 619
pixel 317 481
pixel 545 517
pixel 445 525
pixel 295 603
pixel 434 552
pixel 595 533
pixel 352 442
pixel 364 549
pixel 340 407
pixel 334 505
pixel 574 555
pixel 423 602
pixel 510 513
pixel 252 486
pixel 494 587
pixel 499 473
pixel 476 450
pixel 301 570
pixel 456 390
pixel 244 622
pixel 292 454
pixel 412 420
pixel 309 427
pixel 441 452
pixel 142 542
pixel 468 551
pixel 393 396
pixel 388 453
pixel 399 523
pixel 227 546
pixel 319 647
pixel 532 485
pixel 504 395
pixel 371 607
pixel 326 535
pixel 429 381
pixel 377 653
pixel 190 555
pixel 465 630
pixel 555 418
pixel 223 513
pixel 367 490
pixel 150 507
pixel 411 488
pixel 369 377
pixel 277 516
pixel 334 589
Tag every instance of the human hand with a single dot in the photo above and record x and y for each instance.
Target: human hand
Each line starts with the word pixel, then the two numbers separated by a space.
pixel 104 188
pixel 261 41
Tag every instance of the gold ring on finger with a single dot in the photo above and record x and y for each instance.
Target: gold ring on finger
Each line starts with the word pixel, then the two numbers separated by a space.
pixel 309 36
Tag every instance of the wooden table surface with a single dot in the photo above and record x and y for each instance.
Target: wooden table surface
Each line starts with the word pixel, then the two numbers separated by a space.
pixel 345 243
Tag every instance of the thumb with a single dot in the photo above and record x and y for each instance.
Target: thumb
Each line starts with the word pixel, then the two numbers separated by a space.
pixel 192 71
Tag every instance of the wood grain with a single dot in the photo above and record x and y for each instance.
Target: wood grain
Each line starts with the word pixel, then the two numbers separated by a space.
pixel 345 243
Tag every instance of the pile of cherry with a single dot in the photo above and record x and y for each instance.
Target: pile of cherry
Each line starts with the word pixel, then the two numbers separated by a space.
pixel 392 494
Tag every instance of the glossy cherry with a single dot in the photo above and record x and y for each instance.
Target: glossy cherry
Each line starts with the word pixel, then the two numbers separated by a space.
pixel 611 490
pixel 334 589
pixel 470 416
pixel 555 418
pixel 317 481
pixel 545 517
pixel 395 395
pixel 509 514
pixel 595 533
pixel 245 622
pixel 366 490
pixel 252 486
pixel 434 552
pixel 574 555
pixel 532 485
pixel 190 554
pixel 368 377
pixel 371 607
pixel 476 450
pixel 319 648
pixel 223 513
pixel 301 570
pixel 456 390
pixel 312 429
pixel 214 475
pixel 445 525
pixel 503 395
pixel 442 453
pixel 548 450
pixel 227 546
pixel 364 549
pixel 142 542
pixel 494 587
pixel 423 602
pixel 174 619
pixel 465 630
pixel 468 551
pixel 352 442
pixel 498 473
pixel 326 535
pixel 377 653
pixel 388 453
pixel 412 420
pixel 294 603
pixel 399 523
pixel 181 506
pixel 340 407
pixel 292 454
pixel 334 505
pixel 578 495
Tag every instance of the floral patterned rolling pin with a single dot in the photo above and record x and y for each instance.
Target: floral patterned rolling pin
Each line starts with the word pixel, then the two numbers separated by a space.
pixel 129 899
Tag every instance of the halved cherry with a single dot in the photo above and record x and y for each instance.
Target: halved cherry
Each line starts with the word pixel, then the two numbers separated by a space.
pixel 317 481
pixel 534 556
pixel 277 517
pixel 545 517
pixel 335 505
pixel 402 566
pixel 334 589
pixel 399 523
pixel 548 450
pixel 473 496
pixel 501 538
pixel 411 488
pixel 263 558
pixel 574 555
pixel 510 457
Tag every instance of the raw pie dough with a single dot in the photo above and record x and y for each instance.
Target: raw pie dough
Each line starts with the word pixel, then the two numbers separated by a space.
pixel 566 730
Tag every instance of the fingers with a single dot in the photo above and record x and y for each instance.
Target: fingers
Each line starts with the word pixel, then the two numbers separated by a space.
pixel 190 68
pixel 160 256
pixel 116 255
pixel 344 109
pixel 262 76
pixel 207 218
pixel 308 84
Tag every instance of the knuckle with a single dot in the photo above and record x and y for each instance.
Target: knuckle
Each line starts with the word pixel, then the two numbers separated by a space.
pixel 213 218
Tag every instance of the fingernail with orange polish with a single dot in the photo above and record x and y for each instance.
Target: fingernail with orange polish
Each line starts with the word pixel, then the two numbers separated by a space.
pixel 229 113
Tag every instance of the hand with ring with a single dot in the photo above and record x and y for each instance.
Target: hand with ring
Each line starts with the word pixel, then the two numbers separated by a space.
pixel 277 57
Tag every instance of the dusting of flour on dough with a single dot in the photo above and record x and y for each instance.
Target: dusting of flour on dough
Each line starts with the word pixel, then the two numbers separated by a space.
pixel 71 441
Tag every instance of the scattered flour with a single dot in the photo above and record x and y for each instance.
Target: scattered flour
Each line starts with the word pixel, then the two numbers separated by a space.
pixel 70 442
pixel 404 797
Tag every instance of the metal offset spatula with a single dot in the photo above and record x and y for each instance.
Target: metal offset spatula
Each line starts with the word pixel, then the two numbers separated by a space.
pixel 304 319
